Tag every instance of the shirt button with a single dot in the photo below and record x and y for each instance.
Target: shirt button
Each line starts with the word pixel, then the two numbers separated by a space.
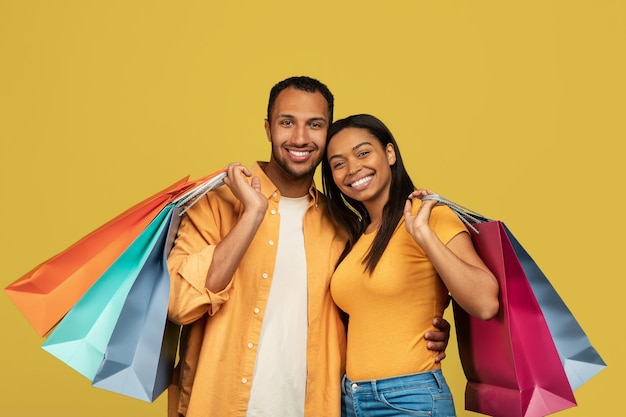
pixel 271 243
pixel 274 194
pixel 272 211
pixel 250 345
pixel 256 310
pixel 244 380
pixel 265 276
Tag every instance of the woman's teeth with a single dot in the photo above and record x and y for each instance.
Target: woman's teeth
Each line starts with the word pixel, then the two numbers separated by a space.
pixel 361 181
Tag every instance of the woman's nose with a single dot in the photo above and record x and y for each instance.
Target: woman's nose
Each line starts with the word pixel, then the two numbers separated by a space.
pixel 354 167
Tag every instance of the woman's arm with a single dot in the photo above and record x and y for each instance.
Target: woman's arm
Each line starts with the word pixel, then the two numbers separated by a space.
pixel 469 281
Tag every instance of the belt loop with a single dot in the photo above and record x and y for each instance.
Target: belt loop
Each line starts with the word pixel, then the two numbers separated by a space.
pixel 439 378
pixel 343 383
pixel 375 390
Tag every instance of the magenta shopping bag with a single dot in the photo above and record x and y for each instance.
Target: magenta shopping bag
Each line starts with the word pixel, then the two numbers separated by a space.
pixel 511 362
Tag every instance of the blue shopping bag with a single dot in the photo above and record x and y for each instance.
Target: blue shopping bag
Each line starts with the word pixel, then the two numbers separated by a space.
pixel 139 358
pixel 580 359
pixel 81 337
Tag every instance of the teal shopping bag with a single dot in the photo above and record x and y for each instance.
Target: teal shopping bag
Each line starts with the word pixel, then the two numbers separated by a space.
pixel 81 337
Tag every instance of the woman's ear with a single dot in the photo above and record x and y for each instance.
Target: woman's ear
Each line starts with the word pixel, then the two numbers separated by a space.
pixel 391 153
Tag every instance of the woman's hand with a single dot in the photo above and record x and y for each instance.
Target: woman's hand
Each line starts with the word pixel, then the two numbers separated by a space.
pixel 467 278
pixel 418 225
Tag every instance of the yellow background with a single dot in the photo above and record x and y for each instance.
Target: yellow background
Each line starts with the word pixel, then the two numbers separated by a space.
pixel 513 108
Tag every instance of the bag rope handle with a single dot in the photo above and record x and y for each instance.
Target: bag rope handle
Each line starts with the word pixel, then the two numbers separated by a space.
pixel 467 216
pixel 193 196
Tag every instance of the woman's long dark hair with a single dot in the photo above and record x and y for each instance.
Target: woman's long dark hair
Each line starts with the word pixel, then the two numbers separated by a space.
pixel 351 214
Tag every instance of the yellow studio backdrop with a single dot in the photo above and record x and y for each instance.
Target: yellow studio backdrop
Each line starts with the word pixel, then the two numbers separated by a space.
pixel 515 109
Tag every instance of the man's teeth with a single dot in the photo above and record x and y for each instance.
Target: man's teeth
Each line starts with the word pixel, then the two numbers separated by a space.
pixel 361 181
pixel 299 153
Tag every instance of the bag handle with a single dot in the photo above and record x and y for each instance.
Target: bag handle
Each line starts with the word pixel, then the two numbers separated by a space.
pixel 193 196
pixel 467 216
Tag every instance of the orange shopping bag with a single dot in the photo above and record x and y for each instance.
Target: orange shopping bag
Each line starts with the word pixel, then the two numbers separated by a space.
pixel 46 293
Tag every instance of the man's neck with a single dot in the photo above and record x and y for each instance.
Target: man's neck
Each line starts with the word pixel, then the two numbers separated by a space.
pixel 289 186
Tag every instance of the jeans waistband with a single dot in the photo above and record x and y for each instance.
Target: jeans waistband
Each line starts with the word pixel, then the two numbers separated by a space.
pixel 373 386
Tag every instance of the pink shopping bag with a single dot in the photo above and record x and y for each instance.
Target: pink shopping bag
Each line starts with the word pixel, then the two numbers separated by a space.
pixel 511 363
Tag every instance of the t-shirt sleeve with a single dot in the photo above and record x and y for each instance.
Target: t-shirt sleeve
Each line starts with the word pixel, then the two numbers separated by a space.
pixel 445 223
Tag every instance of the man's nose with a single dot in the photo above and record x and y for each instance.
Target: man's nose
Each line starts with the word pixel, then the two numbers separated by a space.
pixel 299 135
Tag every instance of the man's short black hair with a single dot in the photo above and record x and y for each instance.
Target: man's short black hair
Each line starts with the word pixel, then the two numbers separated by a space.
pixel 308 84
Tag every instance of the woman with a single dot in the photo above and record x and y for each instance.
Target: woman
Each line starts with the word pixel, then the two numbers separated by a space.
pixel 402 260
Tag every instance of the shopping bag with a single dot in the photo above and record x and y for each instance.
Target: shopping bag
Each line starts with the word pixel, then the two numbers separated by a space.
pixel 511 362
pixel 92 282
pixel 81 337
pixel 580 359
pixel 46 293
pixel 139 358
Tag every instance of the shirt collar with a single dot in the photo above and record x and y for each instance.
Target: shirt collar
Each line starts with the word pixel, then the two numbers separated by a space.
pixel 268 188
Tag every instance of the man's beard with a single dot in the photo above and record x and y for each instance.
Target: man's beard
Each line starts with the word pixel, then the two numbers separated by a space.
pixel 305 171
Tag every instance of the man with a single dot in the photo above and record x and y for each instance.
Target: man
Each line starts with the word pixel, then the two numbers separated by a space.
pixel 250 276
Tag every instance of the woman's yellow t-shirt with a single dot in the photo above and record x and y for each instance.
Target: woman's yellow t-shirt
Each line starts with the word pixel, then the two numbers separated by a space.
pixel 391 309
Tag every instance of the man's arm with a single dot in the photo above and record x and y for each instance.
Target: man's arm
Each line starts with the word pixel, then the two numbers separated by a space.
pixel 202 263
pixel 230 251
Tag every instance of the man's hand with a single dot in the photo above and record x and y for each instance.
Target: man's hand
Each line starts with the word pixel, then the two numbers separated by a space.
pixel 246 191
pixel 438 340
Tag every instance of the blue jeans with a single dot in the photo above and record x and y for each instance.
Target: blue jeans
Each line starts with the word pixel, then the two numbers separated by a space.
pixel 423 394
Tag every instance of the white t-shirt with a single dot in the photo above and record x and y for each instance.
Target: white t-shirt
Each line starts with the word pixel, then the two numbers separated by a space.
pixel 279 381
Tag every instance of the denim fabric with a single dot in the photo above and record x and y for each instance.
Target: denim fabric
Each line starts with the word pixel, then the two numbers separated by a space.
pixel 423 394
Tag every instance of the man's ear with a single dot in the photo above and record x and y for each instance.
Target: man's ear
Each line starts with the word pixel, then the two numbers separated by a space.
pixel 268 130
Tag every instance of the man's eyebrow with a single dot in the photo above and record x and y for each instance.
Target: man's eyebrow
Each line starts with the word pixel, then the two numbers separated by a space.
pixel 354 148
pixel 291 116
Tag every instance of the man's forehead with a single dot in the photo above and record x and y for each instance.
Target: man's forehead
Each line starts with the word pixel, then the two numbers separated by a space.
pixel 294 102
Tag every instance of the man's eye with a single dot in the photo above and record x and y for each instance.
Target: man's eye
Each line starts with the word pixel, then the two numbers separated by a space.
pixel 286 123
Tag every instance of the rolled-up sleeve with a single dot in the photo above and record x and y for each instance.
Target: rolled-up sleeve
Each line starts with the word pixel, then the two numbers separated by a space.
pixel 189 262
